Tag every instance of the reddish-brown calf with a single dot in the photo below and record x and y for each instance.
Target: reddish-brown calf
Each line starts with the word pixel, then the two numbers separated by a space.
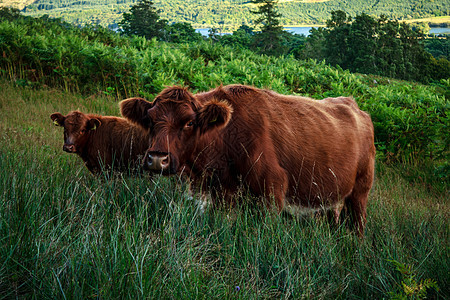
pixel 295 151
pixel 103 142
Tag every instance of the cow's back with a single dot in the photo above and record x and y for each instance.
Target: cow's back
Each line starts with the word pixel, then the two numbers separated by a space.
pixel 321 144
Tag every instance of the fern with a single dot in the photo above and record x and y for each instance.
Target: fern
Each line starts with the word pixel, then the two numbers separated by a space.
pixel 411 287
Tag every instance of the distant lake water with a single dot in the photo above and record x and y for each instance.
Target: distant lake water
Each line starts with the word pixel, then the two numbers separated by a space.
pixel 297 30
pixel 305 30
pixel 204 31
pixel 440 30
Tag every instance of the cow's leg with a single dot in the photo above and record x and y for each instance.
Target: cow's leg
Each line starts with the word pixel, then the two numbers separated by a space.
pixel 222 196
pixel 271 182
pixel 278 185
pixel 265 176
pixel 357 200
pixel 218 197
pixel 336 211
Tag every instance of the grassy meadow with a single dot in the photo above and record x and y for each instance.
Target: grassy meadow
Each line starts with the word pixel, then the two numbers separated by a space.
pixel 67 234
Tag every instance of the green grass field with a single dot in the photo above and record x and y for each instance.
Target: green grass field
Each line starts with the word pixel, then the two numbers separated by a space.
pixel 67 234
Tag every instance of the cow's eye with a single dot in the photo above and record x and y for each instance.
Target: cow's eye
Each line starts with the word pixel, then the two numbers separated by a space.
pixel 82 131
pixel 189 124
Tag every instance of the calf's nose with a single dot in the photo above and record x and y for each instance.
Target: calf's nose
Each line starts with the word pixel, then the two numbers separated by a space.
pixel 157 162
pixel 69 148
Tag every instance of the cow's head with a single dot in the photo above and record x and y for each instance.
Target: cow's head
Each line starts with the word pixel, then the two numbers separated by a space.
pixel 177 120
pixel 77 127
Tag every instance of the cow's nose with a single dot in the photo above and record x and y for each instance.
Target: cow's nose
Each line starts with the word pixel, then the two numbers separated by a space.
pixel 69 148
pixel 157 162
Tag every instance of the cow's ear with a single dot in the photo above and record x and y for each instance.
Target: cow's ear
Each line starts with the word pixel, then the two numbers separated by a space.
pixel 214 114
pixel 93 124
pixel 58 119
pixel 135 110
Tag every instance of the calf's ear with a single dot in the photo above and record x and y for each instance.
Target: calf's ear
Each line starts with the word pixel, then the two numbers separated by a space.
pixel 93 124
pixel 135 110
pixel 214 114
pixel 57 118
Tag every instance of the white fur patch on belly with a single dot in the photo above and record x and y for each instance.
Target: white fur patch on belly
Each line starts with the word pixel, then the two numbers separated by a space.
pixel 299 210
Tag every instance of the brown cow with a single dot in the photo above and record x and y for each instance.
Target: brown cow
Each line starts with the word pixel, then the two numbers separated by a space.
pixel 102 142
pixel 296 151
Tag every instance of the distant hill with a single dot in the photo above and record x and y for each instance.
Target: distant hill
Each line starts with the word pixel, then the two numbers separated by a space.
pixel 20 4
pixel 233 13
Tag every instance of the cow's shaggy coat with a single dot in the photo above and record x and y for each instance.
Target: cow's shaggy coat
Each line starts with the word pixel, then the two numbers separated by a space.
pixel 292 150
pixel 103 142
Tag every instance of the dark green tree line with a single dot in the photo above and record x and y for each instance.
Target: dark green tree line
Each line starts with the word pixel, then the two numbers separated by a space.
pixel 374 46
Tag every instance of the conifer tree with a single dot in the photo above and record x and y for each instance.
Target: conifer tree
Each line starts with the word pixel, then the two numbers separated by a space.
pixel 271 37
pixel 143 20
pixel 268 15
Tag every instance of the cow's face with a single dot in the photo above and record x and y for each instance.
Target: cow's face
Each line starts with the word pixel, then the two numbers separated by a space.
pixel 177 120
pixel 77 127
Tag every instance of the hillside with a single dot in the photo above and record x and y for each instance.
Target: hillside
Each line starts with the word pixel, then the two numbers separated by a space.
pixel 20 4
pixel 46 52
pixel 232 13
pixel 67 234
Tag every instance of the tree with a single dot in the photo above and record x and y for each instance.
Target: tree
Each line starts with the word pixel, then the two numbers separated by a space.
pixel 363 44
pixel 379 47
pixel 389 51
pixel 9 13
pixel 241 38
pixel 438 47
pixel 314 45
pixel 268 15
pixel 336 40
pixel 338 18
pixel 182 33
pixel 213 34
pixel 270 40
pixel 143 20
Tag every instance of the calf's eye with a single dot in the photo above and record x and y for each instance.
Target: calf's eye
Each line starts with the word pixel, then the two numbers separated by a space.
pixel 189 124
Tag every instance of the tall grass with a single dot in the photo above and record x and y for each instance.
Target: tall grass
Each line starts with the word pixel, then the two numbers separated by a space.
pixel 67 234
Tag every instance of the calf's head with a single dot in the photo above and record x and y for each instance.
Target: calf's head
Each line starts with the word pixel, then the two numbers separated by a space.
pixel 177 120
pixel 77 127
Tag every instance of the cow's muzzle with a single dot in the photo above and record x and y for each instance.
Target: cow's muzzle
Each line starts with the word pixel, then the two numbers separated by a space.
pixel 159 162
pixel 69 148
